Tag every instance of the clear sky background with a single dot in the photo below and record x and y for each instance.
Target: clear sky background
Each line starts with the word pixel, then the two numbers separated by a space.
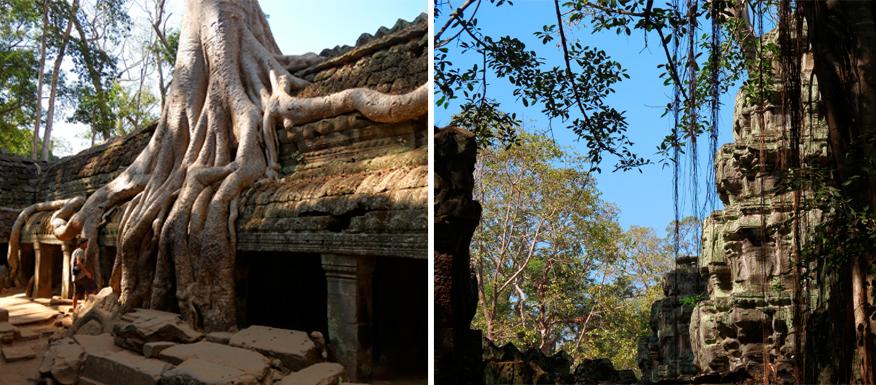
pixel 644 199
pixel 299 26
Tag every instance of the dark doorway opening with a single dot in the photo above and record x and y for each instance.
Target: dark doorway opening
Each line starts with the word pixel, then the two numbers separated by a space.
pixel 48 272
pixel 27 263
pixel 106 261
pixel 4 248
pixel 400 318
pixel 283 290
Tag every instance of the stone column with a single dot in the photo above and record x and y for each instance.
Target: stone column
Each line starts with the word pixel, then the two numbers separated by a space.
pixel 42 276
pixel 350 296
pixel 66 270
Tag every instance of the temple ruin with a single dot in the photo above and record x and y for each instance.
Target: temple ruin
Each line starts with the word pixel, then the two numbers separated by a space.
pixel 337 244
pixel 755 305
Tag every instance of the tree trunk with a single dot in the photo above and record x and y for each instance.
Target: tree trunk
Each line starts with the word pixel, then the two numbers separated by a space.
pixel 842 36
pixel 96 82
pixel 215 138
pixel 56 70
pixel 38 111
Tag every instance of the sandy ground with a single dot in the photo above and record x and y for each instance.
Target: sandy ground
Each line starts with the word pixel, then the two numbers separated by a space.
pixel 36 321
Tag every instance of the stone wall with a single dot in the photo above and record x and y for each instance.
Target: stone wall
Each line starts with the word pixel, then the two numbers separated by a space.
pixel 748 247
pixel 90 169
pixel 18 189
pixel 756 308
pixel 457 347
pixel 348 185
pixel 665 356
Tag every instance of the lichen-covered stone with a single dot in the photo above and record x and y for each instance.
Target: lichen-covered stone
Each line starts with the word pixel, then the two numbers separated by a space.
pixel 665 355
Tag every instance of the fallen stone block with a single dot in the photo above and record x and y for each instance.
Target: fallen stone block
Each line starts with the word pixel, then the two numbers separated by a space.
pixel 8 333
pixel 219 337
pixel 247 361
pixel 293 348
pixel 196 371
pixel 323 373
pixel 27 335
pixel 17 353
pixel 99 344
pixel 62 361
pixel 57 301
pixel 141 326
pixel 104 300
pixel 151 349
pixel 110 368
pixel 92 327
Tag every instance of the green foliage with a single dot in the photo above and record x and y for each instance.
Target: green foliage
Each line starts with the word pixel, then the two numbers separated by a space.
pixel 96 68
pixel 579 100
pixel 845 229
pixel 18 19
pixel 555 270
pixel 693 300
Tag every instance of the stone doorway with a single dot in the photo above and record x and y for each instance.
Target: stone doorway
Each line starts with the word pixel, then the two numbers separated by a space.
pixel 48 276
pixel 400 318
pixel 283 290
pixel 27 263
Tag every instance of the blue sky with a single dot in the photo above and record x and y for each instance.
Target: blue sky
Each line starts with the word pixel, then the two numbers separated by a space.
pixel 644 199
pixel 298 26
pixel 311 26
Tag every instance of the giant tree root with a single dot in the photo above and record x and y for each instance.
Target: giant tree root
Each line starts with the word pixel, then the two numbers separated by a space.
pixel 216 137
pixel 13 255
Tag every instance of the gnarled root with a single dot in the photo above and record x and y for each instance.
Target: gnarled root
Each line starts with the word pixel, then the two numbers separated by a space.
pixel 13 256
pixel 216 137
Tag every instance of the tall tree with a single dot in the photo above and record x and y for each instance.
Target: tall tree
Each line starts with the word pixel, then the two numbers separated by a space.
pixel 56 74
pixel 38 114
pixel 216 137
pixel 19 23
pixel 554 269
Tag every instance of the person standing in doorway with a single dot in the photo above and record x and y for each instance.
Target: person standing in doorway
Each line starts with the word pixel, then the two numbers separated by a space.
pixel 83 279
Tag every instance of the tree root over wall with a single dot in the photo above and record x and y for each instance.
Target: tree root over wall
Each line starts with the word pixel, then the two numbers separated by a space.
pixel 215 138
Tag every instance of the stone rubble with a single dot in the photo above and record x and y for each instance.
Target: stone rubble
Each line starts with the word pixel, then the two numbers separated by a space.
pixel 293 348
pixel 149 347
pixel 141 326
pixel 508 365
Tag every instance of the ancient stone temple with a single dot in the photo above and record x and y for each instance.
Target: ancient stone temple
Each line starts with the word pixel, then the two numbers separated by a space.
pixel 665 355
pixel 753 312
pixel 338 244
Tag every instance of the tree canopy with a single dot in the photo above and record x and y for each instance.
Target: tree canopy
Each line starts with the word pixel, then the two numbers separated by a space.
pixel 555 269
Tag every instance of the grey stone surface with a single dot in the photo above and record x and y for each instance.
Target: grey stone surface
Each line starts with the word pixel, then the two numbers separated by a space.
pixel 62 361
pixel 93 344
pixel 133 369
pixel 324 373
pixel 293 348
pixel 152 349
pixel 196 371
pixel 247 361
pixel 665 355
pixel 13 353
pixel 218 337
pixel 142 325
